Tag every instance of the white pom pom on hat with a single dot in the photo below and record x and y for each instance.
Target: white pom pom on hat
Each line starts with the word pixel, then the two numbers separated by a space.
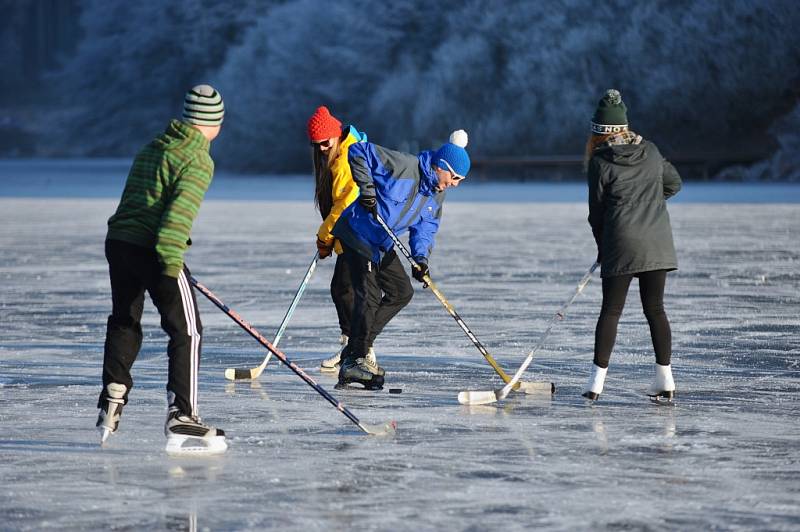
pixel 460 138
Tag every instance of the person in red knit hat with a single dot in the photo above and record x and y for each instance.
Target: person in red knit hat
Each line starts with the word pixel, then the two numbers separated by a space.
pixel 334 191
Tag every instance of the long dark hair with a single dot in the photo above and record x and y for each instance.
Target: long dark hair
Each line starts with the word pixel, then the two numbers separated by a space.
pixel 323 177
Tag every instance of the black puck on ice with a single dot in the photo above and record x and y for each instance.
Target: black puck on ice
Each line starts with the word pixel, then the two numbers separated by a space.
pixel 395 390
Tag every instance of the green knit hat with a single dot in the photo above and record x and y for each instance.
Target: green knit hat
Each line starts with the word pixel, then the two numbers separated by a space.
pixel 610 116
pixel 203 106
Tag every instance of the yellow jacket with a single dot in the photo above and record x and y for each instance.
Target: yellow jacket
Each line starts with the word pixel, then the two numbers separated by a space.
pixel 343 189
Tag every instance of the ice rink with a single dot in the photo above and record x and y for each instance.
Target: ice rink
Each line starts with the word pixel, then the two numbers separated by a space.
pixel 726 457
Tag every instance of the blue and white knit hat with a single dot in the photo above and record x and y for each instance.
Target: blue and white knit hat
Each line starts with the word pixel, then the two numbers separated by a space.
pixel 452 156
pixel 203 106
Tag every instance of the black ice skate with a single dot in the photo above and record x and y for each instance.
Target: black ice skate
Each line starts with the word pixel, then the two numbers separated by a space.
pixel 189 435
pixel 359 372
pixel 110 410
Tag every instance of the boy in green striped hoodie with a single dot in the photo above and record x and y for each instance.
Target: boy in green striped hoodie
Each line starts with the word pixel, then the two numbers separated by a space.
pixel 146 240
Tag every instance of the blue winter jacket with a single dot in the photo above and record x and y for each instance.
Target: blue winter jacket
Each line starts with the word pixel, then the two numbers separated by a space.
pixel 405 188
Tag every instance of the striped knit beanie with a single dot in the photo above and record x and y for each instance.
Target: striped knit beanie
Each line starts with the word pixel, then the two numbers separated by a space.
pixel 611 114
pixel 203 106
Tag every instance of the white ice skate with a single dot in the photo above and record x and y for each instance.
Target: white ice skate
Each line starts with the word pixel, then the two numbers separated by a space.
pixel 330 365
pixel 189 436
pixel 110 412
pixel 663 388
pixel 595 385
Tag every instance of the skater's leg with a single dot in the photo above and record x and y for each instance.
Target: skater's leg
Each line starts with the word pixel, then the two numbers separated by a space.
pixel 651 291
pixel 397 293
pixel 124 329
pixel 180 319
pixel 366 297
pixel 342 294
pixel 615 291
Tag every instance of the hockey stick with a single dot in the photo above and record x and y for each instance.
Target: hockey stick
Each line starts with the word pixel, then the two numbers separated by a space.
pixel 486 397
pixel 376 430
pixel 527 387
pixel 234 374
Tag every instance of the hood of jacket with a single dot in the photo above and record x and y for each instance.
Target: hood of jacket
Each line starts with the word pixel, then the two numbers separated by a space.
pixel 428 180
pixel 181 136
pixel 624 154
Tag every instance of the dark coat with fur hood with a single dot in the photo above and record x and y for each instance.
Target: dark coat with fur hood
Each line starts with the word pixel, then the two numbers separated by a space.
pixel 628 187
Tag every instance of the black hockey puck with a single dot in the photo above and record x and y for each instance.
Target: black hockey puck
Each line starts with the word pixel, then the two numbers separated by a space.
pixel 395 390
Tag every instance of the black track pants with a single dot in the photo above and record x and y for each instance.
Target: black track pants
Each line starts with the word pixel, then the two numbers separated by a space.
pixel 380 291
pixel 342 293
pixel 133 270
pixel 651 292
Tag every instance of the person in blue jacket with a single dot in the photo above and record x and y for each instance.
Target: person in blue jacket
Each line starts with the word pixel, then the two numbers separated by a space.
pixel 407 191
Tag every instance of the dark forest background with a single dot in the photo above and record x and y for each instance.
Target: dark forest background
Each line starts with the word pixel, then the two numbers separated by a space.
pixel 714 82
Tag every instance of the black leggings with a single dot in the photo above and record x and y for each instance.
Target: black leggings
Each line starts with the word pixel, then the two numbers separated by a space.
pixel 651 291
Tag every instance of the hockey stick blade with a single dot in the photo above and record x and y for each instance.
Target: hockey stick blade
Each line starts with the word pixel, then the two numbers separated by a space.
pixel 478 397
pixel 536 387
pixel 492 396
pixel 387 429
pixel 236 374
pixel 486 397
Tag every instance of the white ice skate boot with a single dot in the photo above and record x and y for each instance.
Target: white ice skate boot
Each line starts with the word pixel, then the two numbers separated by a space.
pixel 188 435
pixel 663 388
pixel 111 410
pixel 595 385
pixel 329 365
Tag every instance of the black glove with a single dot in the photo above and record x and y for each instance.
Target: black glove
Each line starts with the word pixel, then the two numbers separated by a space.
pixel 369 203
pixel 599 259
pixel 420 273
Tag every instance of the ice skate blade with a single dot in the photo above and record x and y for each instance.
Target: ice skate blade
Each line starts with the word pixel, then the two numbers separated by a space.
pixel 328 369
pixel 663 398
pixel 105 432
pixel 387 429
pixel 591 396
pixel 181 445
pixel 362 388
pixel 537 387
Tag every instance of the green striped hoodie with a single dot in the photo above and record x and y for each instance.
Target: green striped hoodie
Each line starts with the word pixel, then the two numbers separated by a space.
pixel 162 195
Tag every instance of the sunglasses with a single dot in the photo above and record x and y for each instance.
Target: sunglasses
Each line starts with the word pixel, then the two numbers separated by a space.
pixel 456 176
pixel 325 144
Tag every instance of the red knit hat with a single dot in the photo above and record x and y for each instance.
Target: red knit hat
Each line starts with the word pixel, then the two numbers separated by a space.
pixel 322 125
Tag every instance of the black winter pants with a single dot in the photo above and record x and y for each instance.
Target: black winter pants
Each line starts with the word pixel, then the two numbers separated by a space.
pixel 380 291
pixel 651 292
pixel 134 269
pixel 342 293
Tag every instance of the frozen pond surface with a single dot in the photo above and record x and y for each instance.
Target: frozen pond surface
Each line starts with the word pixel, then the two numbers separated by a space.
pixel 726 457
